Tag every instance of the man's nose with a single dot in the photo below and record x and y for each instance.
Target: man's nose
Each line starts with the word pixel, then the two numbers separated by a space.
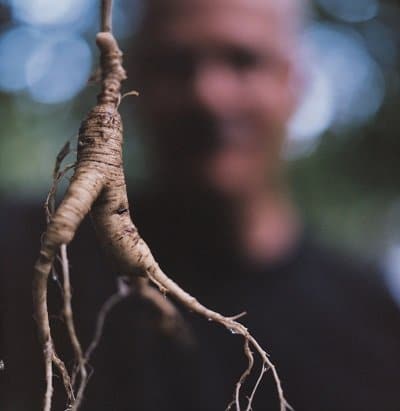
pixel 214 87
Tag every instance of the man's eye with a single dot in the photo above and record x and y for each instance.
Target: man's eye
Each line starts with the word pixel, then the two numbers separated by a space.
pixel 243 59
pixel 181 63
pixel 172 63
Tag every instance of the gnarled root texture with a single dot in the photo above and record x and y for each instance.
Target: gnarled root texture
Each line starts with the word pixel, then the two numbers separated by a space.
pixel 98 186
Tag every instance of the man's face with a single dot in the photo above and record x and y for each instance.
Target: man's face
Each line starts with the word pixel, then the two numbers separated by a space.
pixel 217 88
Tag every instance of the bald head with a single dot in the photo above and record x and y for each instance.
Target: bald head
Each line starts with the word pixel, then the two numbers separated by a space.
pixel 293 12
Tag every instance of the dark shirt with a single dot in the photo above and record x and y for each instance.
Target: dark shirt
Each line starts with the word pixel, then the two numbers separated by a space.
pixel 326 320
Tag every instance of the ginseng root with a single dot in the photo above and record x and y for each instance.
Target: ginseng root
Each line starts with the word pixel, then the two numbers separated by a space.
pixel 98 186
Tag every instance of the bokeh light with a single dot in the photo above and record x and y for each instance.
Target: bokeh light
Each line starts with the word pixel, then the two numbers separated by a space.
pixel 49 12
pixel 58 69
pixel 44 51
pixel 16 46
pixel 392 270
pixel 344 88
pixel 380 42
pixel 355 78
pixel 314 115
pixel 51 68
pixel 351 11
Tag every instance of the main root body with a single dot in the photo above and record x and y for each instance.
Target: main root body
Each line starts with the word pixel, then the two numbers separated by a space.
pixel 98 186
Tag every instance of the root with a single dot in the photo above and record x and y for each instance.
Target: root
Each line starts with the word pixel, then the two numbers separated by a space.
pixel 156 275
pixel 59 364
pixel 48 360
pixel 172 323
pixel 60 231
pixel 123 291
pixel 76 346
pixel 243 377
pixel 98 186
pixel 250 399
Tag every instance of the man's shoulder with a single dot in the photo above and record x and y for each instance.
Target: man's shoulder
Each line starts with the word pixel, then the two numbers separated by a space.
pixel 347 280
pixel 339 264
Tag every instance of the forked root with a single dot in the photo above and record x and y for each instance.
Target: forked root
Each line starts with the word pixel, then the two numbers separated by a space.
pixel 233 326
pixel 98 186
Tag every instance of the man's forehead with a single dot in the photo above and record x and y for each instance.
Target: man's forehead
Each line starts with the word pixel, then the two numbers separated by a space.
pixel 289 13
pixel 171 7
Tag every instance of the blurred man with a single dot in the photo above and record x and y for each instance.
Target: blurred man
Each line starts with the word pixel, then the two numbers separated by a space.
pixel 219 81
